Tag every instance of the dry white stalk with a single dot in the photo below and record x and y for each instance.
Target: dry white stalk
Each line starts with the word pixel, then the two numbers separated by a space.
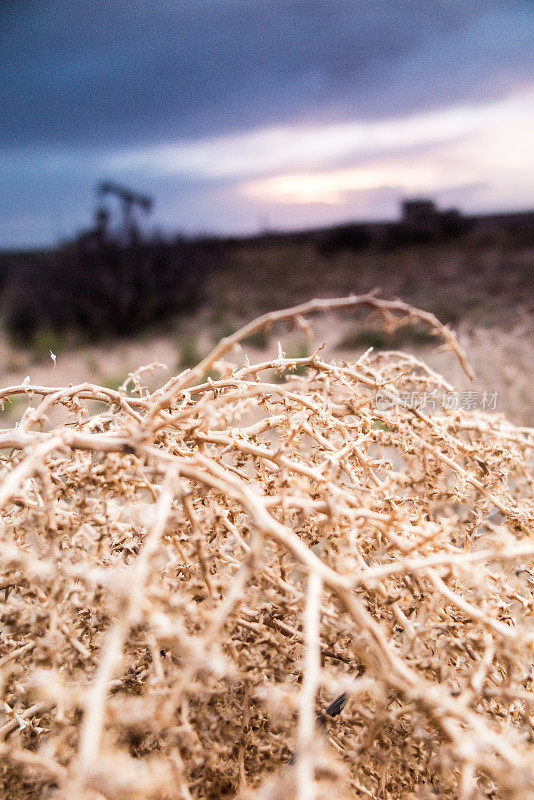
pixel 305 767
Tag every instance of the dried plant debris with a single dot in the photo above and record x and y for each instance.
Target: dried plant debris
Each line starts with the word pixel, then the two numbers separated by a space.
pixel 199 582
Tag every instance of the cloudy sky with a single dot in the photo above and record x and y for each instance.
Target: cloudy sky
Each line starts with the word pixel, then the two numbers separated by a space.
pixel 238 115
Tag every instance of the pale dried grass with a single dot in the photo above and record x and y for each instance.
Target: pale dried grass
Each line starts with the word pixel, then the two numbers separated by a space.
pixel 191 576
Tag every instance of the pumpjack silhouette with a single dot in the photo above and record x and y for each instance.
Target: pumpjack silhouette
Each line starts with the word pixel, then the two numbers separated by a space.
pixel 112 279
pixel 129 232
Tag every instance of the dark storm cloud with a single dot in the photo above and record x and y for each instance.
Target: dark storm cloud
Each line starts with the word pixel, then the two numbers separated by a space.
pixel 93 89
pixel 117 73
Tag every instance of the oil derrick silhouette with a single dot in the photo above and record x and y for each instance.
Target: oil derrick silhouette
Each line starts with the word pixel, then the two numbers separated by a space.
pixel 129 202
pixel 111 279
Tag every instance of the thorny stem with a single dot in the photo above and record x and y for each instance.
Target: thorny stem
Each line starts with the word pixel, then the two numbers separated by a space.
pixel 255 491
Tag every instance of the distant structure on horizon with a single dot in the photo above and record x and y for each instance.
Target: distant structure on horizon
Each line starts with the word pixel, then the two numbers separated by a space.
pixel 422 217
pixel 422 221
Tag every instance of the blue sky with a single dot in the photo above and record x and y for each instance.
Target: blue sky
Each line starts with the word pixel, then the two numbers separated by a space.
pixel 241 114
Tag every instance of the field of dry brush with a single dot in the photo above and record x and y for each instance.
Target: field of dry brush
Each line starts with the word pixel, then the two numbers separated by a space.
pixel 267 580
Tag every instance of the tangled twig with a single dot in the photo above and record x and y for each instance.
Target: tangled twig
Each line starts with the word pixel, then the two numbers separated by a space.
pixel 175 565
